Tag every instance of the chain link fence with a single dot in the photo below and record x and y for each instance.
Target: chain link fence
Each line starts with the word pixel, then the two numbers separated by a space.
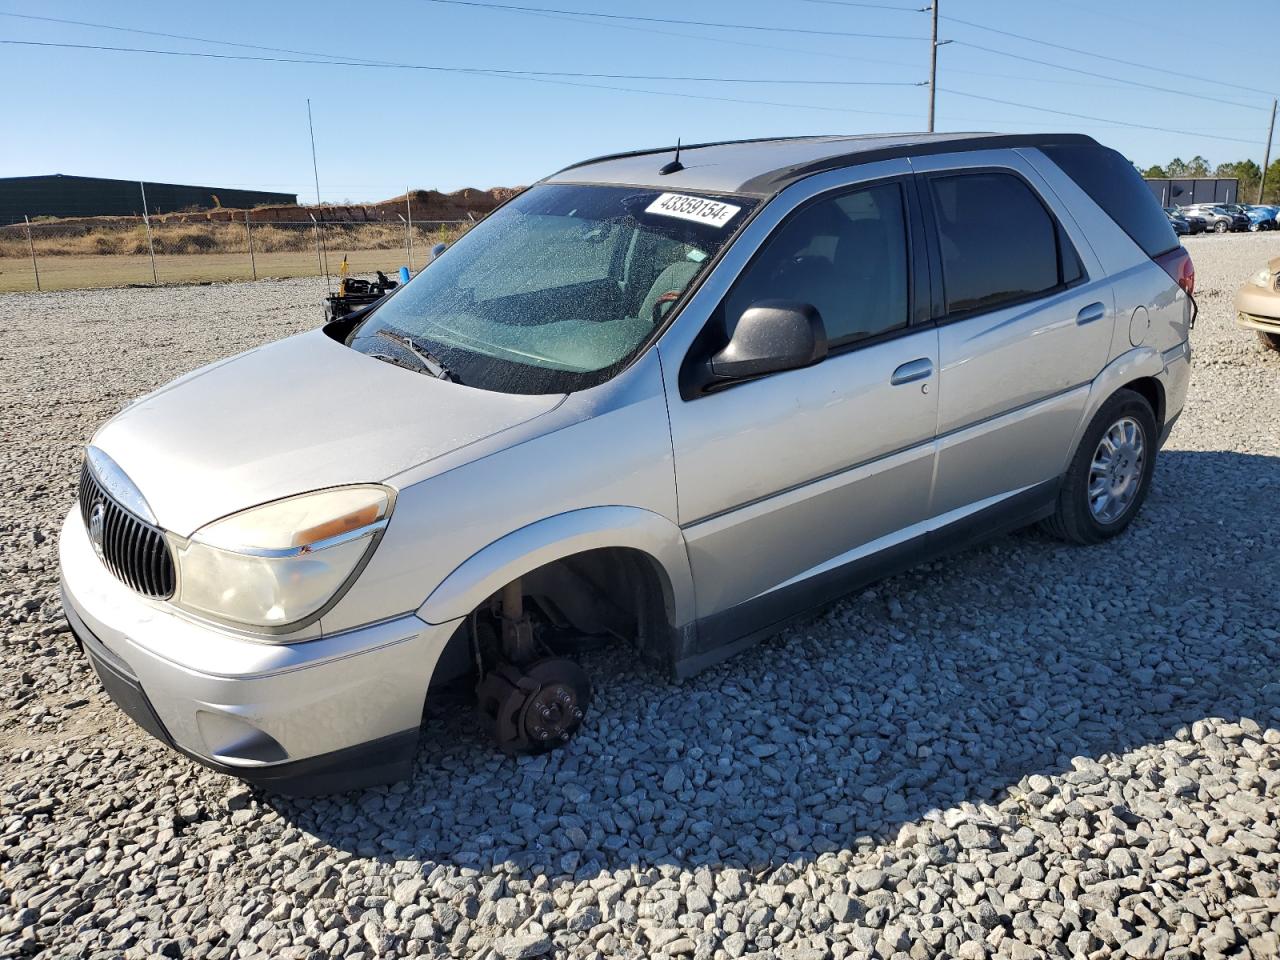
pixel 67 256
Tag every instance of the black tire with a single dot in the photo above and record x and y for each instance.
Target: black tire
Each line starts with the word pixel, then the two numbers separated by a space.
pixel 1073 520
pixel 1221 226
pixel 1269 341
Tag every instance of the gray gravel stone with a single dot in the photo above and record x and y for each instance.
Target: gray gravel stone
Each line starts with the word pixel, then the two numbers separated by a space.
pixel 524 946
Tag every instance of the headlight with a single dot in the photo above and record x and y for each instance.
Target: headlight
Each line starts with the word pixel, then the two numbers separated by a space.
pixel 1263 278
pixel 277 564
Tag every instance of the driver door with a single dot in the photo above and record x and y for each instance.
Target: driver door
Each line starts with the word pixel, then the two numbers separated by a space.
pixel 791 484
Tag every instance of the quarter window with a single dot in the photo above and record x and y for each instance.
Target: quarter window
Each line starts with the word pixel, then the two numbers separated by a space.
pixel 998 242
pixel 846 255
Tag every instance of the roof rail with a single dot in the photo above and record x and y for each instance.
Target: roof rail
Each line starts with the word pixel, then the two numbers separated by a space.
pixel 695 146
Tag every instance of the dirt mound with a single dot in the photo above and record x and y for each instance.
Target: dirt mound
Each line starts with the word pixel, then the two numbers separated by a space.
pixel 427 205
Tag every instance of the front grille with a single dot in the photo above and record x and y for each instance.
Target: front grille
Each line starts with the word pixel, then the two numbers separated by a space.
pixel 133 550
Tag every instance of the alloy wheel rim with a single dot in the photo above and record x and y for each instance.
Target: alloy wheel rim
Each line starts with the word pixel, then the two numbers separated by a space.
pixel 1115 475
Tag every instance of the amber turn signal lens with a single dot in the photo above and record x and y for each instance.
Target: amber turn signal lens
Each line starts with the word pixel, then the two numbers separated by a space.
pixel 339 525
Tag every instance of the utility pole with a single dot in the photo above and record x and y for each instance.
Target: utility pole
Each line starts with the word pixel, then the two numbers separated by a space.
pixel 248 234
pixel 31 244
pixel 1267 156
pixel 933 65
pixel 408 206
pixel 146 219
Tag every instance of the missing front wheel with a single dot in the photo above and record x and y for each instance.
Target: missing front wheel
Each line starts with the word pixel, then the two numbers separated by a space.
pixel 535 708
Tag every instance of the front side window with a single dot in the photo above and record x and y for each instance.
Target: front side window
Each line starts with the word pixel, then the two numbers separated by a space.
pixel 845 255
pixel 998 242
pixel 556 291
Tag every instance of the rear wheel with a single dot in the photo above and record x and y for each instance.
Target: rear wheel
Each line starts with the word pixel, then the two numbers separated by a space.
pixel 1269 341
pixel 1108 478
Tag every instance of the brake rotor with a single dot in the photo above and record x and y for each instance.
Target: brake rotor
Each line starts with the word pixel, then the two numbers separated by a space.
pixel 538 708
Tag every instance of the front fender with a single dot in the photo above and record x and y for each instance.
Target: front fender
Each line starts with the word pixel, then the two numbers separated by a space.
pixel 563 535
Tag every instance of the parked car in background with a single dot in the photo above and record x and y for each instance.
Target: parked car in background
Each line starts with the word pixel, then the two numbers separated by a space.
pixel 1180 225
pixel 673 402
pixel 1258 305
pixel 1192 223
pixel 1259 219
pixel 1217 217
pixel 1267 211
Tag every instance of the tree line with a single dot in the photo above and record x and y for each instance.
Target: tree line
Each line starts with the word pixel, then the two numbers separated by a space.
pixel 1246 171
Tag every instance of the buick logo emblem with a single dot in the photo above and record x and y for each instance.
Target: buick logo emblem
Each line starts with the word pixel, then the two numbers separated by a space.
pixel 97 521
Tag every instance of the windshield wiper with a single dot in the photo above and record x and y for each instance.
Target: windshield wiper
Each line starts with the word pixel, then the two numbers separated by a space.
pixel 429 363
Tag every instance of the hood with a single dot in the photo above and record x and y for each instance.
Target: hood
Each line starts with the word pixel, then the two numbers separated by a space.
pixel 297 415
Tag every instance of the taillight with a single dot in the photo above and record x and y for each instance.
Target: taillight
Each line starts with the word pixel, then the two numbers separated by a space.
pixel 1177 264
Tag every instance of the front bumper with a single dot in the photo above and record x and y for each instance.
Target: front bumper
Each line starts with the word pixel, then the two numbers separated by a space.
pixel 319 716
pixel 1258 308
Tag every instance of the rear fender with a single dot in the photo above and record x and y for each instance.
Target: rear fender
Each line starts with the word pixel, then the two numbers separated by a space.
pixel 1132 365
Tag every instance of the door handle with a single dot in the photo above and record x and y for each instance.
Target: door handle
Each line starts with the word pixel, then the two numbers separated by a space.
pixel 912 371
pixel 1094 311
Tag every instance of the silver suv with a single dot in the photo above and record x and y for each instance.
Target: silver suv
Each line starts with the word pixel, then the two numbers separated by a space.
pixel 668 401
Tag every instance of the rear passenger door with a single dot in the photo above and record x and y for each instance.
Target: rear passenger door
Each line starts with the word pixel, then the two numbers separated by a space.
pixel 1025 322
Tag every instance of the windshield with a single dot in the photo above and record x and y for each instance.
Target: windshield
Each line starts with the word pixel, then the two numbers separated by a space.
pixel 557 290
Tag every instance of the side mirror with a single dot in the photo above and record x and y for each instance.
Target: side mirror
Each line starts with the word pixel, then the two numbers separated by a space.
pixel 771 336
pixel 438 249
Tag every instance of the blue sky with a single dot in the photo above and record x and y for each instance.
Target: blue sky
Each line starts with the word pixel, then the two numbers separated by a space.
pixel 244 123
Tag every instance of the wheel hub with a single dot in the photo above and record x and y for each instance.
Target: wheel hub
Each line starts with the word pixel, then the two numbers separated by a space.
pixel 536 708
pixel 552 713
pixel 1116 474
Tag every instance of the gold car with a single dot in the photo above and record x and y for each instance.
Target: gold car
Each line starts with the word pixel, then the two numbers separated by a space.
pixel 1258 304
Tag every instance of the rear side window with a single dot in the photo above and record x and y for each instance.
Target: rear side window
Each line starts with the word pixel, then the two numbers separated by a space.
pixel 1114 185
pixel 998 242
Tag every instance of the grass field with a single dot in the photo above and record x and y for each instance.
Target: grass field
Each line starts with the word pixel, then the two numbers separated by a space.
pixel 77 272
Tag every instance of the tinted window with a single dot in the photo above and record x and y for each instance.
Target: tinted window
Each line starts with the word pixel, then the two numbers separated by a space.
pixel 998 242
pixel 1117 188
pixel 847 256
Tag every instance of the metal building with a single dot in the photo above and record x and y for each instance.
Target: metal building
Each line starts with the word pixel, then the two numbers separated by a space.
pixel 1183 191
pixel 59 195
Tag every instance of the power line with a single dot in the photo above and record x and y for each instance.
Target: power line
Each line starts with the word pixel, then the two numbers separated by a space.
pixel 549 16
pixel 1146 24
pixel 312 54
pixel 1100 56
pixel 475 71
pixel 869 6
pixel 702 38
pixel 167 36
pixel 483 4
pixel 1104 76
pixel 1085 116
pixel 492 71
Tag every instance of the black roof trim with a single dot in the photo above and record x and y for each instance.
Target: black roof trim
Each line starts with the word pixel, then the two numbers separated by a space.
pixel 775 180
pixel 836 151
pixel 626 154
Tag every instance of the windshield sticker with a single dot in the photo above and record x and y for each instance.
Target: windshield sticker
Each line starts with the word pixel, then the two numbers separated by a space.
pixel 697 209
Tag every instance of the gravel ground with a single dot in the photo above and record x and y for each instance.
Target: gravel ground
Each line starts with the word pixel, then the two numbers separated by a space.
pixel 1025 750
